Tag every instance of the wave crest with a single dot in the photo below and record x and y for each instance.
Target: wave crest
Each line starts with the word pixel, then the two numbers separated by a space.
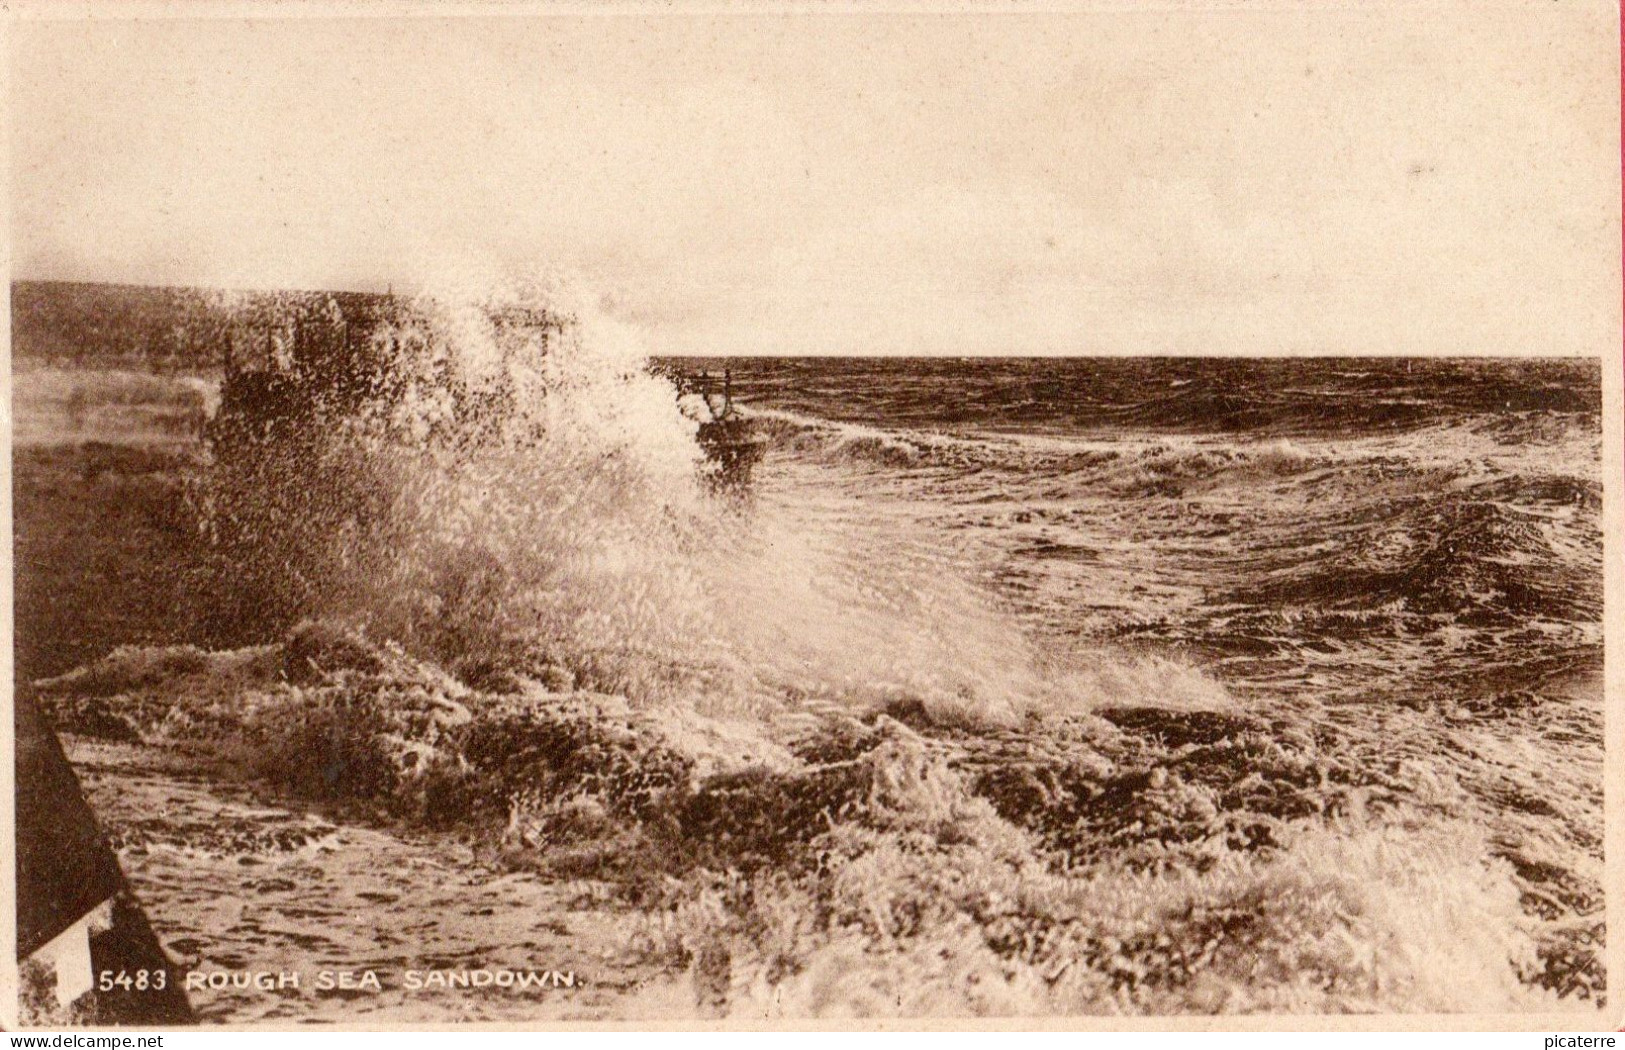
pixel 498 503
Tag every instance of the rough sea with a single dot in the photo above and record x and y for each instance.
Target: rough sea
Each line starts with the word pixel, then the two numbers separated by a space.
pixel 1409 532
pixel 1004 686
pixel 1400 556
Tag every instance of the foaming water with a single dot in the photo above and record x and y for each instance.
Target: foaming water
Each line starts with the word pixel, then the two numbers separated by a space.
pixel 541 505
pixel 1403 560
pixel 1188 643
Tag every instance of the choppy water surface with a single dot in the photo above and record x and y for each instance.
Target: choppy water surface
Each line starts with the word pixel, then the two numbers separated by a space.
pixel 1398 531
pixel 1009 686
pixel 1407 551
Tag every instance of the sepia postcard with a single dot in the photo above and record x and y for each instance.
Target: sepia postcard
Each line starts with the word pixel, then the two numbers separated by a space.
pixel 768 515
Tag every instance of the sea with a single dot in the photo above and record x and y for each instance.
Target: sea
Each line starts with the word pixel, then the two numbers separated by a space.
pixel 1401 556
pixel 1246 683
pixel 1414 531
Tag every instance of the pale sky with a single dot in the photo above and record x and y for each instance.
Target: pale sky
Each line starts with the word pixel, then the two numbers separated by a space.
pixel 1413 178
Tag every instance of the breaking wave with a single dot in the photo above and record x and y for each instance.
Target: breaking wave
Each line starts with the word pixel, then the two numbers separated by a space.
pixel 534 507
pixel 959 710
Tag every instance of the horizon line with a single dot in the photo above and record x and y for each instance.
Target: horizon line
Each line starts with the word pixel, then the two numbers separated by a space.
pixel 1243 355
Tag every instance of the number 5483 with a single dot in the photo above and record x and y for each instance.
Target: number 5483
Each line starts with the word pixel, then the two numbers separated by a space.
pixel 131 981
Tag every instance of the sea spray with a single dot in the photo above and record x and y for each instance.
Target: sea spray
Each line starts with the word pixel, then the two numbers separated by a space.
pixel 535 511
pixel 1152 863
pixel 530 499
pixel 861 847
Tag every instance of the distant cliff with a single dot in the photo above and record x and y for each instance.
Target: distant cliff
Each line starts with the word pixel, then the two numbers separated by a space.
pixel 149 328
